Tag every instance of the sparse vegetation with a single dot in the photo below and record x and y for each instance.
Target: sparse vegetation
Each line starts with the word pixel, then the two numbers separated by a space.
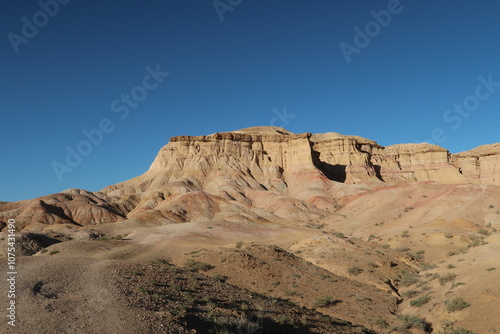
pixel 456 304
pixel 449 329
pixel 491 269
pixel 405 234
pixel 409 279
pixel 420 301
pixel 354 270
pixel 447 278
pixel 454 285
pixel 428 266
pixel 409 321
pixel 53 252
pixel 194 265
pixel 324 302
pixel 410 293
pixel 476 240
pixel 239 244
pixel 382 323
pixel 484 232
pixel 220 277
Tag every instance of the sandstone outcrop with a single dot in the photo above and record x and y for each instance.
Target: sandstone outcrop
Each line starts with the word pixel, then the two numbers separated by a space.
pixel 257 174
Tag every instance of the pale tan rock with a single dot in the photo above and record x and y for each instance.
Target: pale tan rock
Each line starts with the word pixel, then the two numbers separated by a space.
pixel 258 174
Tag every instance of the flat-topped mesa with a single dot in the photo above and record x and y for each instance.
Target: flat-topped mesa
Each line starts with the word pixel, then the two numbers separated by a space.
pixel 341 158
pixel 481 165
pixel 264 157
pixel 258 174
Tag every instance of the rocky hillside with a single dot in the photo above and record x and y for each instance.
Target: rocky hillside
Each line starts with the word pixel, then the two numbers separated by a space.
pixel 256 175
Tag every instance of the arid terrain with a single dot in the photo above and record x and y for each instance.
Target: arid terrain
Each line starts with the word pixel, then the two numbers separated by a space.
pixel 265 231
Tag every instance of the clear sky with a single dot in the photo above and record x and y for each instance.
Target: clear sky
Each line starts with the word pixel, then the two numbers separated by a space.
pixel 391 71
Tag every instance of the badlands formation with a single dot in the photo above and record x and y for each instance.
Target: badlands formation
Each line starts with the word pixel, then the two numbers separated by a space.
pixel 265 231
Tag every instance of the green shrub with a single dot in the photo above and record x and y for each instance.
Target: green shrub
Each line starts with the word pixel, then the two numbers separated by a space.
pixel 409 279
pixel 323 302
pixel 484 232
pixel 447 278
pixel 197 266
pixel 354 270
pixel 220 277
pixel 408 321
pixel 410 293
pixel 382 323
pixel 189 297
pixel 459 330
pixel 53 252
pixel 456 304
pixel 420 301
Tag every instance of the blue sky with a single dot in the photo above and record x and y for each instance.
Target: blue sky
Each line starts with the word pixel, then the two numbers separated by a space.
pixel 406 74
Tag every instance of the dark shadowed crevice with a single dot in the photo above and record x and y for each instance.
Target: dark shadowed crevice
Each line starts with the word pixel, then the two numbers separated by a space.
pixel 335 173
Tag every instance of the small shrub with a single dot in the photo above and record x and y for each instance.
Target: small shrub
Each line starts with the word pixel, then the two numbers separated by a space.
pixel 456 304
pixel 454 285
pixel 484 232
pixel 420 301
pixel 197 266
pixel 339 235
pixel 409 279
pixel 220 277
pixel 189 297
pixel 458 330
pixel 382 323
pixel 447 278
pixel 323 302
pixel 491 269
pixel 410 293
pixel 142 289
pixel 448 235
pixel 451 266
pixel 405 234
pixel 53 252
pixel 408 321
pixel 476 241
pixel 354 270
pixel 428 266
pixel 239 244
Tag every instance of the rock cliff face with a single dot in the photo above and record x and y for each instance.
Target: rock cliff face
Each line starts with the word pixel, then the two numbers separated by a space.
pixel 258 174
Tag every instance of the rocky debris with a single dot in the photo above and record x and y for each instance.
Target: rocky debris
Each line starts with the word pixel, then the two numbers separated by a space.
pixel 27 243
